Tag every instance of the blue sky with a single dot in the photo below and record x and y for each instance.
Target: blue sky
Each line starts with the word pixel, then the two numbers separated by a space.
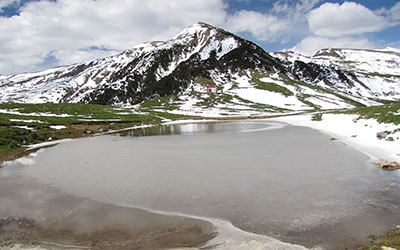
pixel 36 35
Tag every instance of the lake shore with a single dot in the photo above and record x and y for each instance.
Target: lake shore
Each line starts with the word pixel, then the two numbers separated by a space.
pixel 358 133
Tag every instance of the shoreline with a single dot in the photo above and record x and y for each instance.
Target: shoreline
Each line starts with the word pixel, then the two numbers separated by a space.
pixel 360 134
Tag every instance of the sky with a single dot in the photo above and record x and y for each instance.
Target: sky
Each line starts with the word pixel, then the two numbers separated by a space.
pixel 39 34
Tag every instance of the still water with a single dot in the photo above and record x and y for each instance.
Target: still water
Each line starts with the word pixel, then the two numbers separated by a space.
pixel 285 182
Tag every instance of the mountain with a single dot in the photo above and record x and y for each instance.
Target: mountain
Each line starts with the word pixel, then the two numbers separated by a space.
pixel 376 73
pixel 173 75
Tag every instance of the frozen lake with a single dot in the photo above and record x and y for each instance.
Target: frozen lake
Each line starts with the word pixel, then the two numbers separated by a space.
pixel 285 182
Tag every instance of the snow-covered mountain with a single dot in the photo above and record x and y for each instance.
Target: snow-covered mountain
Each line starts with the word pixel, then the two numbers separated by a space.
pixel 246 77
pixel 376 73
pixel 124 72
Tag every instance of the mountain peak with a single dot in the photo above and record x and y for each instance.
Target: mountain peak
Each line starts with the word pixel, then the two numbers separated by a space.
pixel 199 29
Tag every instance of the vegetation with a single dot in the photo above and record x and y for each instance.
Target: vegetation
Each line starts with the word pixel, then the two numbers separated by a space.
pixel 166 103
pixel 303 99
pixel 391 239
pixel 346 99
pixel 389 113
pixel 68 113
pixel 205 81
pixel 382 75
pixel 317 117
pixel 24 124
pixel 270 86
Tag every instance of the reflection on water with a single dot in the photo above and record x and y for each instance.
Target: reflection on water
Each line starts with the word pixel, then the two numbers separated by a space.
pixel 292 183
pixel 192 128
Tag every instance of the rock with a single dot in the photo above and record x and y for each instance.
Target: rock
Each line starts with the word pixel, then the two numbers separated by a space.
pixel 382 134
pixel 333 139
pixel 387 165
pixel 390 139
pixel 388 248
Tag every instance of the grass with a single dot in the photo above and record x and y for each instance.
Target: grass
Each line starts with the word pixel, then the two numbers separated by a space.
pixel 345 98
pixel 270 86
pixel 77 113
pixel 383 113
pixel 211 100
pixel 165 103
pixel 303 99
pixel 79 120
pixel 391 239
pixel 317 117
pixel 205 81
pixel 381 75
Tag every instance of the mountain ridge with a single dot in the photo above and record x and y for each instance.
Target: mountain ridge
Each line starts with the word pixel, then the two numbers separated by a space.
pixel 246 77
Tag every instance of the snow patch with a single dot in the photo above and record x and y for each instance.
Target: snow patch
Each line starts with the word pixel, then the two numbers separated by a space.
pixel 359 133
pixel 58 127
pixel 26 121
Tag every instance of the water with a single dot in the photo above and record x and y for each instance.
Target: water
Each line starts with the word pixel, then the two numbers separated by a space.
pixel 290 183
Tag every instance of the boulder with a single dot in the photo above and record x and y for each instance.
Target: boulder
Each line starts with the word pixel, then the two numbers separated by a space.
pixel 382 135
pixel 388 248
pixel 390 138
pixel 387 165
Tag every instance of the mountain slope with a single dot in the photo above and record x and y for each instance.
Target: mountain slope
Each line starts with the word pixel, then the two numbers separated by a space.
pixel 374 74
pixel 173 75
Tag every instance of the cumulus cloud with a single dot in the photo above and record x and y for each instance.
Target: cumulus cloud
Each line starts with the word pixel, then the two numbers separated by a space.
pixel 312 44
pixel 48 33
pixel 264 27
pixel 281 23
pixel 393 14
pixel 334 20
pixel 6 3
pixel 344 26
pixel 67 27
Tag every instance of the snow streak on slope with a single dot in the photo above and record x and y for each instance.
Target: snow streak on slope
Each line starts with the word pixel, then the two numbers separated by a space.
pixel 203 55
pixel 375 73
pixel 73 83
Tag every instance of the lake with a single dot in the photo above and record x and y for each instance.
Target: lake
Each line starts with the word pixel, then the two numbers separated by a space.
pixel 251 183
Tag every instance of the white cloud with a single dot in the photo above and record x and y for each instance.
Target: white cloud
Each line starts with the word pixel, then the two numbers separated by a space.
pixel 64 27
pixel 334 20
pixel 47 33
pixel 264 27
pixel 67 26
pixel 343 26
pixel 393 14
pixel 310 45
pixel 6 3
pixel 285 20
